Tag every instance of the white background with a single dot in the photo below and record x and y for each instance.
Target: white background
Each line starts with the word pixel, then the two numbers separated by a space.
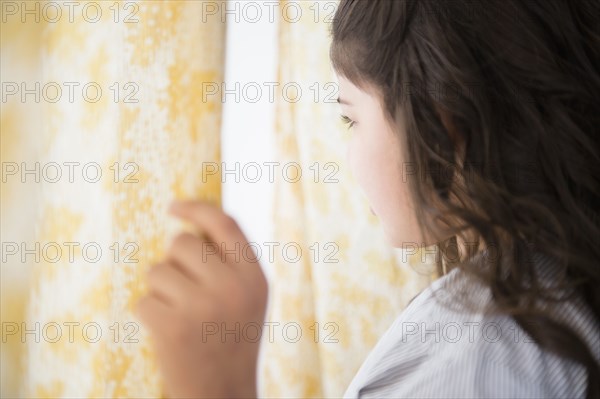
pixel 248 128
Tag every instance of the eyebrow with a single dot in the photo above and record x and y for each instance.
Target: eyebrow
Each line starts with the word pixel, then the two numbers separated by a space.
pixel 341 101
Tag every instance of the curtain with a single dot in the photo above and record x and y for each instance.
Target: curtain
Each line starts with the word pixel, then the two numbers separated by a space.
pixel 329 305
pixel 104 121
pixel 19 125
pixel 121 127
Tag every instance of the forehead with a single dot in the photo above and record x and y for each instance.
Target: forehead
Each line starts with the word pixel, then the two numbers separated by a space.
pixel 348 88
pixel 351 93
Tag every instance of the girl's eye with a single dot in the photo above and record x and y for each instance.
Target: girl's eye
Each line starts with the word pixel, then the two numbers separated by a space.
pixel 347 121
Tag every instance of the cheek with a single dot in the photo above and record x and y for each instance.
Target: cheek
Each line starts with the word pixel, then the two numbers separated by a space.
pixel 376 165
pixel 376 168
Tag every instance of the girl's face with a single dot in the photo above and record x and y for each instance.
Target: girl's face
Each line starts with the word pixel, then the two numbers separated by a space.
pixel 375 158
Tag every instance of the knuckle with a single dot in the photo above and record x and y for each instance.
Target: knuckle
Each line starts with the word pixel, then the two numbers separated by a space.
pixel 176 329
pixel 154 275
pixel 229 223
pixel 180 241
pixel 188 314
pixel 211 311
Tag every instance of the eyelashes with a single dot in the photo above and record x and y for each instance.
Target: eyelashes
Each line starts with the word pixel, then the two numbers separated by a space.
pixel 347 121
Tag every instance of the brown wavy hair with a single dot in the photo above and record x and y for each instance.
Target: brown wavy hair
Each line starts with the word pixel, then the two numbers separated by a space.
pixel 505 94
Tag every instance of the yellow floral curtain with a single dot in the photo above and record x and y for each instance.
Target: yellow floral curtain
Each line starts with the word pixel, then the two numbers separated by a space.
pixel 329 305
pixel 104 105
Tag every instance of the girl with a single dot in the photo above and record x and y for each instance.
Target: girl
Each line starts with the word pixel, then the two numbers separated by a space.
pixel 494 106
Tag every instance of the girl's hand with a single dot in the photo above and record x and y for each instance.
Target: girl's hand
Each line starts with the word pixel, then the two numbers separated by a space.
pixel 205 308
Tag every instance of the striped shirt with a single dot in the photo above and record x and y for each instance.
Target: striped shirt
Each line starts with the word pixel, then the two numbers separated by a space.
pixel 432 351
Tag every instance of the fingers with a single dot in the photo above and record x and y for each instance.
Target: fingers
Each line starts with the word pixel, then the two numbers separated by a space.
pixel 195 256
pixel 219 227
pixel 152 311
pixel 169 283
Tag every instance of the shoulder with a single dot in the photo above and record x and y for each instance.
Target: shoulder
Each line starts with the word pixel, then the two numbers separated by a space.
pixel 433 350
pixel 465 376
pixel 493 369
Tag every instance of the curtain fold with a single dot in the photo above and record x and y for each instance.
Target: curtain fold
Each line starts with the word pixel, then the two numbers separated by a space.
pixel 136 134
pixel 348 285
pixel 20 125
